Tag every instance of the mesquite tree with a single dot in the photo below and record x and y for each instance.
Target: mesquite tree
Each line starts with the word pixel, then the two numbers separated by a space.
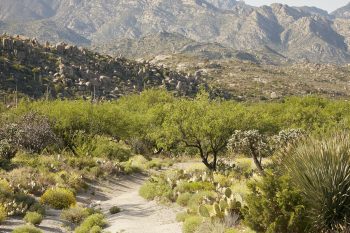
pixel 200 124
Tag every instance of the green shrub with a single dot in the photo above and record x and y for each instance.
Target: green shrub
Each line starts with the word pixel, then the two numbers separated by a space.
pixel 33 218
pixel 93 223
pixel 181 217
pixel 109 149
pixel 197 199
pixel 224 181
pixel 183 199
pixel 274 205
pixel 7 151
pixel 150 190
pixel 213 226
pixel 185 186
pixel 26 229
pixel 321 170
pixel 37 207
pixel 75 215
pixel 58 198
pixel 114 210
pixel 5 190
pixel 191 224
pixel 3 214
pixel 154 164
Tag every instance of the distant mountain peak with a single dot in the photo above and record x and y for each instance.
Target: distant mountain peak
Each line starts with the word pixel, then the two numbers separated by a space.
pixel 293 32
pixel 343 12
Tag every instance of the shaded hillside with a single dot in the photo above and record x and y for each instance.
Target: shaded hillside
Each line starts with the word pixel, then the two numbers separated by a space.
pixel 66 71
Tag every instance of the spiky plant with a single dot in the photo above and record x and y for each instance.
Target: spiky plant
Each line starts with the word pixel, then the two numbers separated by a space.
pixel 321 170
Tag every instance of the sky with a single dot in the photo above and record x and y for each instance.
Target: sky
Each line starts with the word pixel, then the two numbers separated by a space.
pixel 328 5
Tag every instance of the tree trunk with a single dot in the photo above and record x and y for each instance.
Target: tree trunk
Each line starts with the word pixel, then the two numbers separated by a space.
pixel 258 164
pixel 210 166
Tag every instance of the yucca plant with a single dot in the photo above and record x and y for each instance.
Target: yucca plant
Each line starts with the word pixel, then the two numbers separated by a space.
pixel 321 170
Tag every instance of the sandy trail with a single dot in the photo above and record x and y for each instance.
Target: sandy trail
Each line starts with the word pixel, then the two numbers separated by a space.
pixel 137 215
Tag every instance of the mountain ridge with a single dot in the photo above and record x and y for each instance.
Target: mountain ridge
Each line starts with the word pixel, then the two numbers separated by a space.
pixel 297 33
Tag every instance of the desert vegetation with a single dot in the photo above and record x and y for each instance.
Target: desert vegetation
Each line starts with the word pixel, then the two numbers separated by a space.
pixel 278 166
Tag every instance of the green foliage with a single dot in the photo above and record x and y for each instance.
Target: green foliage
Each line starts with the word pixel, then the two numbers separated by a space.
pixel 3 213
pixel 107 148
pixel 7 151
pixel 191 224
pixel 58 198
pixel 92 224
pixel 27 229
pixel 5 190
pixel 274 205
pixel 156 188
pixel 38 208
pixel 114 210
pixel 321 170
pixel 75 215
pixel 185 186
pixel 33 218
pixel 201 124
pixel 183 199
pixel 182 216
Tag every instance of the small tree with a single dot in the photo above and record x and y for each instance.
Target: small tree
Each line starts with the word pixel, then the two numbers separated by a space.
pixel 258 145
pixel 200 124
pixel 251 143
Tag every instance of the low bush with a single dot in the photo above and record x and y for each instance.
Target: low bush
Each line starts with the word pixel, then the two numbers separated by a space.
pixel 224 181
pixel 212 227
pixel 114 210
pixel 154 164
pixel 37 207
pixel 7 151
pixel 183 199
pixel 58 198
pixel 152 189
pixel 33 218
pixel 274 205
pixel 192 187
pixel 3 214
pixel 107 148
pixel 5 190
pixel 92 224
pixel 197 199
pixel 191 224
pixel 27 229
pixel 181 217
pixel 75 215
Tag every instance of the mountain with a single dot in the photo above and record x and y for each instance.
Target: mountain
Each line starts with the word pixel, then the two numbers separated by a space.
pixel 297 33
pixel 343 12
pixel 173 43
pixel 66 71
pixel 24 11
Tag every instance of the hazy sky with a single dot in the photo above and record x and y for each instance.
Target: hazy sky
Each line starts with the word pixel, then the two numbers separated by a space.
pixel 329 5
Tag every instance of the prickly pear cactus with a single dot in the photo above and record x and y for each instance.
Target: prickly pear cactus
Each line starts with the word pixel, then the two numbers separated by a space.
pixel 203 211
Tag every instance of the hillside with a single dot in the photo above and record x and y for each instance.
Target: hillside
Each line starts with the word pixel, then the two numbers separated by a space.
pixel 246 80
pixel 298 33
pixel 66 71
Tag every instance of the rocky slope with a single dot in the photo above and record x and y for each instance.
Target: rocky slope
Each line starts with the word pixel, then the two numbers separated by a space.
pixel 251 81
pixel 343 12
pixel 66 71
pixel 298 33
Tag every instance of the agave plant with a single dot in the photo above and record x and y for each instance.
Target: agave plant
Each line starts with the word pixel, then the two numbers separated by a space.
pixel 321 170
